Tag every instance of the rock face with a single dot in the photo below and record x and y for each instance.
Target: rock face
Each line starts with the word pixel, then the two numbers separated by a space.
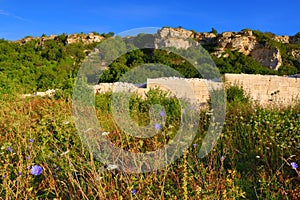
pixel 244 42
pixel 169 37
pixel 206 38
pixel 84 38
pixel 25 40
pixel 268 57
pixel 283 39
pixel 295 53
pixel 70 38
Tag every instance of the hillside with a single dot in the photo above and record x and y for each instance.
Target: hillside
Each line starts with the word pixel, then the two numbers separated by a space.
pixel 36 64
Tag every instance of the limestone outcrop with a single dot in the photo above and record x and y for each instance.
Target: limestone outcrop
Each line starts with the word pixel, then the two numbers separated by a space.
pixel 84 38
pixel 70 38
pixel 244 42
pixel 267 56
pixel 206 38
pixel 170 37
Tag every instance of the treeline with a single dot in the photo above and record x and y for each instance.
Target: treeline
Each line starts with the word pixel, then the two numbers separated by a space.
pixel 40 65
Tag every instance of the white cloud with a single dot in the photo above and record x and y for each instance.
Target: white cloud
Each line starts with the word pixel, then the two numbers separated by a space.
pixel 3 12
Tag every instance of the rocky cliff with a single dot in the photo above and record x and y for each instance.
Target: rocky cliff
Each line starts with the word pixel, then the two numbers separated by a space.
pixel 244 42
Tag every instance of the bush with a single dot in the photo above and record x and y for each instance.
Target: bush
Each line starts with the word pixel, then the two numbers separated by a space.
pixel 236 94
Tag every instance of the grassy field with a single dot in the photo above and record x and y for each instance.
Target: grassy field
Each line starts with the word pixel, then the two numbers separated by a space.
pixel 255 157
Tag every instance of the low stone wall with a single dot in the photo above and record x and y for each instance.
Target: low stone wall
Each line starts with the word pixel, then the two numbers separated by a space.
pixel 195 89
pixel 263 89
pixel 48 93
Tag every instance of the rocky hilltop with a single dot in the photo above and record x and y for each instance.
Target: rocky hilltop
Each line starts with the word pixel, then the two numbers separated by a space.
pixel 244 42
pixel 69 39
pixel 266 52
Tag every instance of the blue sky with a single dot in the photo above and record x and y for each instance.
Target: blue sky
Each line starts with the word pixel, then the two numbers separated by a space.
pixel 22 18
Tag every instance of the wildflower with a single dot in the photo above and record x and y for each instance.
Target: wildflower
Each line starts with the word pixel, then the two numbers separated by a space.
pixel 4 176
pixel 66 122
pixel 31 140
pixel 294 165
pixel 28 167
pixel 209 113
pixel 20 174
pixel 157 126
pixel 133 191
pixel 162 113
pixel 105 133
pixel 36 170
pixel 111 167
pixel 64 153
pixel 28 157
pixel 223 158
pixel 10 149
pixel 194 145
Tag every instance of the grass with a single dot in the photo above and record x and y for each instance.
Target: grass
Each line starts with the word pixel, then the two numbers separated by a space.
pixel 250 161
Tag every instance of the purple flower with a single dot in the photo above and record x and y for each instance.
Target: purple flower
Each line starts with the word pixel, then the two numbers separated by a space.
pixel 31 140
pixel 20 174
pixel 4 176
pixel 162 113
pixel 223 158
pixel 133 191
pixel 28 167
pixel 195 145
pixel 294 165
pixel 36 170
pixel 10 149
pixel 28 157
pixel 157 126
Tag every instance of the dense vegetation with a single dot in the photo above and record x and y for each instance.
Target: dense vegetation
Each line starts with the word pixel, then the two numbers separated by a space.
pixel 40 65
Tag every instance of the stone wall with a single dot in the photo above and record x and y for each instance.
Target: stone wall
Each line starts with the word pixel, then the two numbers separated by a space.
pixel 267 89
pixel 263 89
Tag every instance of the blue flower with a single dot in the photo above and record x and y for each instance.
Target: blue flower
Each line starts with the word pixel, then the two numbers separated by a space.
pixel 31 140
pixel 133 191
pixel 10 149
pixel 157 126
pixel 36 170
pixel 162 113
pixel 294 165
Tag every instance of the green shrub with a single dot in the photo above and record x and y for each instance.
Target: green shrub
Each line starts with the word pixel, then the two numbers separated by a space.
pixel 236 94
